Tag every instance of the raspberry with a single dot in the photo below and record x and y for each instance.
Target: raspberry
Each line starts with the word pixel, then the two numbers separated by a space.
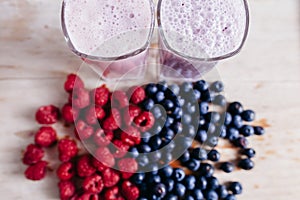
pixel 33 154
pixel 144 121
pixel 127 166
pixel 119 99
pixel 113 121
pixel 73 81
pixel 86 196
pixel 120 149
pixel 93 184
pixel 36 171
pixel 100 95
pixel 131 136
pixel 45 137
pixel 66 189
pixel 137 94
pixel 103 155
pixel 65 171
pixel 110 177
pixel 98 165
pixel 85 167
pixel 80 98
pixel 93 114
pixel 69 113
pixel 82 130
pixel 102 138
pixel 47 114
pixel 113 194
pixel 130 191
pixel 67 149
pixel 129 113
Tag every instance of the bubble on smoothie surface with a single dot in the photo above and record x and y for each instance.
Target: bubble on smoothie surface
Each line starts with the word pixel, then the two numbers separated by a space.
pixel 107 28
pixel 203 28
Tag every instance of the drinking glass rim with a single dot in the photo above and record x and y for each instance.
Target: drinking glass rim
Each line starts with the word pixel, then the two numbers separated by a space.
pixel 228 55
pixel 127 55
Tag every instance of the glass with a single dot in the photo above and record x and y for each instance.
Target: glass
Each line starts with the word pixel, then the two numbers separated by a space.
pixel 195 35
pixel 111 36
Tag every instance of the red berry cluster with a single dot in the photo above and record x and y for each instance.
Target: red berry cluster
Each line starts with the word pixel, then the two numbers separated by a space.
pixel 107 120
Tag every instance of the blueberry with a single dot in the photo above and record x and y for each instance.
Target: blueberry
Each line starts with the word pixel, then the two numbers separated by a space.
pixel 232 134
pixel 186 119
pixel 151 89
pixel 213 117
pixel 222 130
pixel 212 141
pixel 203 107
pixel 213 155
pixel 197 194
pixel 179 189
pixel 169 121
pixel 206 170
pixel 235 188
pixel 156 129
pixel 171 197
pixel 217 86
pixel 201 136
pixel 178 174
pixel 185 157
pixel 246 164
pixel 249 152
pixel 190 132
pixel 167 158
pixel 155 156
pixel 168 104
pixel 228 118
pixel 175 89
pixel 207 96
pixel 190 108
pixel 189 182
pixel 159 97
pixel 237 121
pixel 241 142
pixel 201 85
pixel 193 164
pixel 211 195
pixel 134 152
pixel 199 153
pixel 169 184
pixel 157 111
pixel 153 178
pixel 189 197
pixel 186 87
pixel 235 108
pixel 177 112
pixel 138 178
pixel 160 190
pixel 170 147
pixel 155 142
pixel 197 94
pixel 168 134
pixel 248 115
pixel 162 85
pixel 144 148
pixel 176 127
pixel 210 127
pixel 212 183
pixel 227 167
pixel 247 130
pixel 201 183
pixel 166 171
pixel 222 191
pixel 201 121
pixel 220 100
pixel 143 160
pixel 258 130
pixel 142 198
pixel 230 197
pixel 148 104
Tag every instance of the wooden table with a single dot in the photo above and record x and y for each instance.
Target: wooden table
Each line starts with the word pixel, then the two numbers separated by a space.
pixel 265 76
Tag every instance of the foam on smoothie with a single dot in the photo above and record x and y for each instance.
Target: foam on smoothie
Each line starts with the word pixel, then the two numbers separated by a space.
pixel 107 28
pixel 203 28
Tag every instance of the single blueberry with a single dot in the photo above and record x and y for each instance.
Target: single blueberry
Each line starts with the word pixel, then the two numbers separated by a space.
pixel 197 94
pixel 230 197
pixel 206 170
pixel 186 87
pixel 179 189
pixel 193 164
pixel 213 155
pixel 211 195
pixel 212 183
pixel 169 121
pixel 228 118
pixel 178 174
pixel 138 178
pixel 170 146
pixel 159 97
pixel 150 178
pixel 169 184
pixel 212 141
pixel 186 119
pixel 166 171
pixel 151 89
pixel 247 130
pixel 197 194
pixel 213 117
pixel 144 148
pixel 157 111
pixel 201 183
pixel 248 115
pixel 168 104
pixel 201 85
pixel 201 136
pixel 241 142
pixel 220 100
pixel 189 197
pixel 175 89
pixel 237 121
pixel 155 156
pixel 142 160
pixel 249 152
pixel 185 157
pixel 162 85
pixel 148 104
pixel 207 96
pixel 176 127
pixel 146 137
pixel 258 130
pixel 199 153
pixel 222 130
pixel 155 142
pixel 171 197
pixel 160 190
pixel 235 188
pixel 189 182
pixel 227 167
pixel 232 134
pixel 190 108
pixel 203 108
pixel 222 191
pixel 201 121
pixel 134 152
pixel 167 158
pixel 246 164
pixel 235 108
pixel 217 86
pixel 167 133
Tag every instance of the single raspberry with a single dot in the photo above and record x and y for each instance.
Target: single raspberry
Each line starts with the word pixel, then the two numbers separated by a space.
pixel 67 149
pixel 93 114
pixel 73 81
pixel 130 191
pixel 119 99
pixel 98 165
pixel 110 177
pixel 113 193
pixel 127 166
pixel 144 121
pixel 36 171
pixel 47 114
pixel 84 166
pixel 113 121
pixel 66 189
pixel 102 138
pixel 45 137
pixel 120 149
pixel 93 184
pixel 65 171
pixel 103 155
pixel 82 130
pixel 80 98
pixel 33 154
pixel 100 95
pixel 137 94
pixel 129 113
pixel 69 113
pixel 130 136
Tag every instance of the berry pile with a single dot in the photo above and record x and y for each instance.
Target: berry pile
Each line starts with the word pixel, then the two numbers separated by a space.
pixel 131 138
